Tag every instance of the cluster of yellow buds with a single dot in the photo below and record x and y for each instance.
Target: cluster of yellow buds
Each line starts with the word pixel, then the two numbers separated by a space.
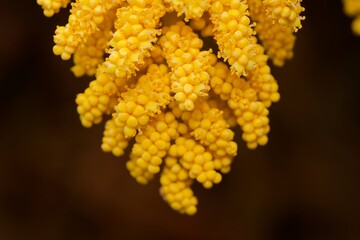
pixel 176 76
pixel 352 9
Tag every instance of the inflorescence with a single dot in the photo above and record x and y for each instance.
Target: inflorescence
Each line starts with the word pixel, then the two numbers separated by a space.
pixel 176 76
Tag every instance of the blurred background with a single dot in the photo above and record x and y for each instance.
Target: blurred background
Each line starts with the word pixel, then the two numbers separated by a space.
pixel 56 183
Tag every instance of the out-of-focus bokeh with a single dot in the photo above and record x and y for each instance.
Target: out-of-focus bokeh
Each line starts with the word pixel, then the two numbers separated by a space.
pixel 56 183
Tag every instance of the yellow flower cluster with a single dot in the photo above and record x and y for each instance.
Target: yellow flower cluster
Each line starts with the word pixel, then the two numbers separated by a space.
pixel 51 7
pixel 285 12
pixel 352 9
pixel 156 75
pixel 278 40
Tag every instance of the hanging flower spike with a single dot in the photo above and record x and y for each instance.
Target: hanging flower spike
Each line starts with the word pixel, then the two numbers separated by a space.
pixel 51 7
pixel 233 33
pixel 196 160
pixel 175 187
pixel 138 105
pixel 151 147
pixel 265 85
pixel 84 20
pixel 208 127
pixel 278 40
pixel 242 99
pixel 285 12
pixel 134 36
pixel 114 139
pixel 101 96
pixel 89 56
pixel 189 78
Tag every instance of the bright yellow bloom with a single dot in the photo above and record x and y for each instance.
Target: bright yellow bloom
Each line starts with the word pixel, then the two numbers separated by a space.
pixel 168 97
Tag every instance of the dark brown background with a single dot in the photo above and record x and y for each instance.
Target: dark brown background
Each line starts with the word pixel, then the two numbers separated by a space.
pixel 56 183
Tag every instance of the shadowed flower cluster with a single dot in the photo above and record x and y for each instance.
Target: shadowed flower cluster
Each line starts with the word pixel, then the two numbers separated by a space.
pixel 176 76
